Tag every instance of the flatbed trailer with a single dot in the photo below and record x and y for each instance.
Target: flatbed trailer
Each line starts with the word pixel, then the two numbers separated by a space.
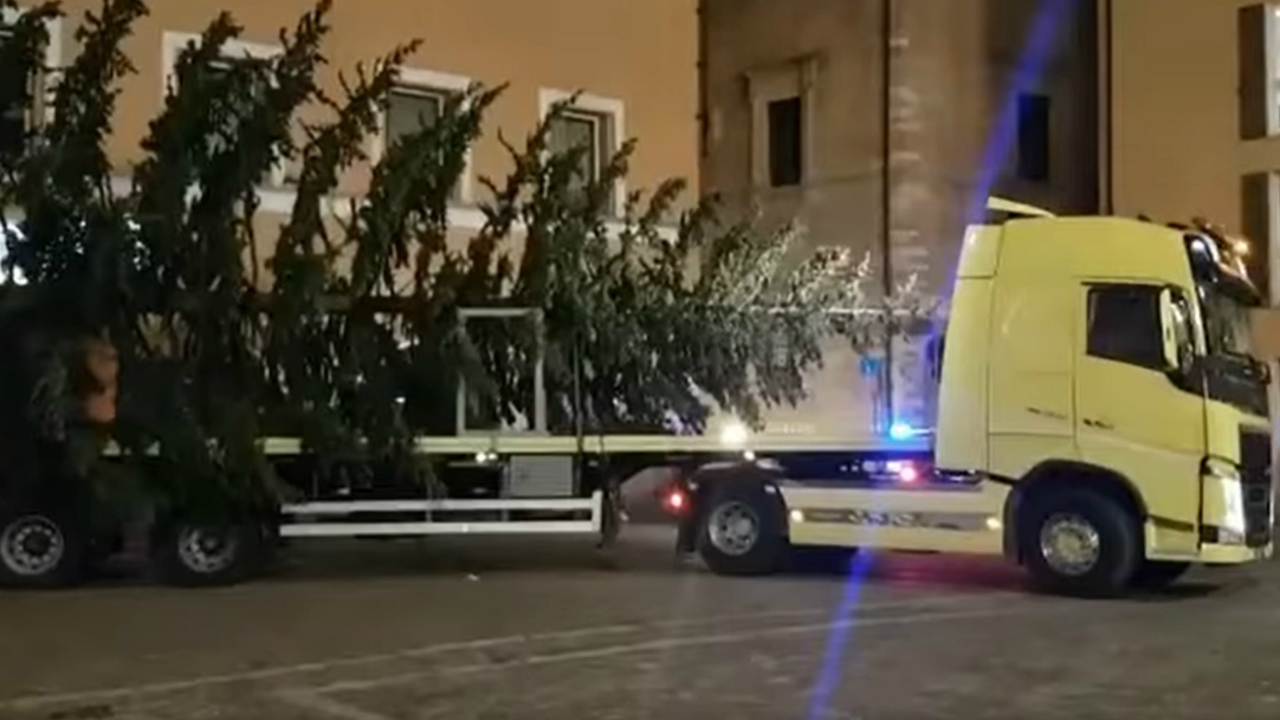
pixel 506 483
pixel 528 482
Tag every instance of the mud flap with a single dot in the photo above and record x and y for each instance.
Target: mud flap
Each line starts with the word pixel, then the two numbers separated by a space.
pixel 687 534
pixel 612 514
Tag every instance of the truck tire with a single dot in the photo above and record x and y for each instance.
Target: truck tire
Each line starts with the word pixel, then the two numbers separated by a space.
pixel 42 547
pixel 201 555
pixel 1080 543
pixel 742 530
pixel 1154 575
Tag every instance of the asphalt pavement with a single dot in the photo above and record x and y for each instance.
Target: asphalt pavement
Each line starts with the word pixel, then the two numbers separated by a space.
pixel 557 630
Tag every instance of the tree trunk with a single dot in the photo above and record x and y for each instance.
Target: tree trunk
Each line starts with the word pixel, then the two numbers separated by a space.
pixel 103 365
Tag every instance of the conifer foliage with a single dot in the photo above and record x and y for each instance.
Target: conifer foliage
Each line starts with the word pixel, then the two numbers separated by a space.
pixel 342 323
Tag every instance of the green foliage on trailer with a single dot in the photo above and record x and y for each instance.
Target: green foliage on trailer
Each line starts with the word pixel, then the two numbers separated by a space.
pixel 341 324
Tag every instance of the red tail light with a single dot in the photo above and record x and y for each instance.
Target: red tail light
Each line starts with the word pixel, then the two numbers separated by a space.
pixel 675 500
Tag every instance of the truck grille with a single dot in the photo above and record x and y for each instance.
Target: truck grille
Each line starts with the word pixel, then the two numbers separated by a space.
pixel 1255 471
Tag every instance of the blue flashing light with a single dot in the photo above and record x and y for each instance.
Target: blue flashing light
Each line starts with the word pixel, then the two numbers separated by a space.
pixel 901 431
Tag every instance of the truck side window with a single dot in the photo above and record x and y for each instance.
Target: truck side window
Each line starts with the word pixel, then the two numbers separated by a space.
pixel 1124 324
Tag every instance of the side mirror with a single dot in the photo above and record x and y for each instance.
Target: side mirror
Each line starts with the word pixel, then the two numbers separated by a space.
pixel 1170 321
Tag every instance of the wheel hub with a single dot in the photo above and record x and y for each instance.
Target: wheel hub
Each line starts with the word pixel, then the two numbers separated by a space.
pixel 734 528
pixel 1070 544
pixel 32 546
pixel 206 550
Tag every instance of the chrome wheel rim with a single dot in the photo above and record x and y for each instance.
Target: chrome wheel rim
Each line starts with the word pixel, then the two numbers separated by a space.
pixel 32 545
pixel 1070 544
pixel 733 528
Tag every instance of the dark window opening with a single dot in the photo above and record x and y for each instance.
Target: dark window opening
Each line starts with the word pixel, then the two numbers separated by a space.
pixel 1124 325
pixel 1033 137
pixel 786 156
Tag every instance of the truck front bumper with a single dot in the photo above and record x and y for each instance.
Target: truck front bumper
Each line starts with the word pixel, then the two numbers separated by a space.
pixel 1220 554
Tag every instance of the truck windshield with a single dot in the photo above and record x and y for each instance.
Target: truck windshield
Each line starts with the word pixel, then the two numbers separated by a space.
pixel 1226 324
pixel 1232 372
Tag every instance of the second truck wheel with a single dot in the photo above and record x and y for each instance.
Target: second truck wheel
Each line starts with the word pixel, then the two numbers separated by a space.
pixel 742 530
pixel 190 554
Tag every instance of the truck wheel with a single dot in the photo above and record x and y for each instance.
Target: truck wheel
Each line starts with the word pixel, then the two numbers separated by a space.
pixel 1080 543
pixel 742 530
pixel 41 548
pixel 1158 574
pixel 197 555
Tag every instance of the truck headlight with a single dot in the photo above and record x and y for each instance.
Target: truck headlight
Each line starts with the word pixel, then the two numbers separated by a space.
pixel 1228 477
pixel 1233 503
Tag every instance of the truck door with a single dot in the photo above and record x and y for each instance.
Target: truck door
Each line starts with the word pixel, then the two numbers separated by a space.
pixel 1133 417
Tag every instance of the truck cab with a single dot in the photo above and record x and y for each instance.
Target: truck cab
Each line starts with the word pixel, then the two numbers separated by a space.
pixel 1111 354
pixel 1102 418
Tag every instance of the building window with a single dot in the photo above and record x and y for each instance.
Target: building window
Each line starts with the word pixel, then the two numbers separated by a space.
pixel 237 114
pixel 592 125
pixel 1033 137
pixel 786 142
pixel 24 101
pixel 411 109
pixel 15 116
pixel 234 51
pixel 1258 63
pixel 585 133
pixel 1124 324
pixel 417 102
pixel 1270 95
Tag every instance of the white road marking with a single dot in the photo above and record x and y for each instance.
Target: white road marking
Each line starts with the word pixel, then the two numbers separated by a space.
pixel 672 643
pixel 319 666
pixel 323 706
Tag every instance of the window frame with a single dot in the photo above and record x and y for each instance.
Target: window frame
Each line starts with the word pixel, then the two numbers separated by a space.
pixel 599 135
pixel 433 82
pixel 174 42
pixel 46 85
pixel 796 77
pixel 611 111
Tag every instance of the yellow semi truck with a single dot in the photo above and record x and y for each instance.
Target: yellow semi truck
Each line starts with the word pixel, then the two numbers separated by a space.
pixel 1101 420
